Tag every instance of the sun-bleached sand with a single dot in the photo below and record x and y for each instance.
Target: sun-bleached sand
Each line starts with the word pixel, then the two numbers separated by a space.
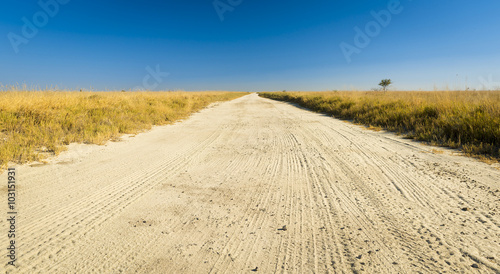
pixel 256 184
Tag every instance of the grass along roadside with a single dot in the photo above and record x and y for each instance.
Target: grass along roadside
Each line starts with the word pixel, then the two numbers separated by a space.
pixel 34 124
pixel 467 120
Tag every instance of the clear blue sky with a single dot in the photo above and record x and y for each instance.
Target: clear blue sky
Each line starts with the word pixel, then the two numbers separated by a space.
pixel 259 45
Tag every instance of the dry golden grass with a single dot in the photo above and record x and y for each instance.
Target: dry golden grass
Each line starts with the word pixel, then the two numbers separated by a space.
pixel 468 120
pixel 435 151
pixel 36 123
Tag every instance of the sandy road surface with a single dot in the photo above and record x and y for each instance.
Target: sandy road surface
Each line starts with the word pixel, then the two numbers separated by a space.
pixel 212 194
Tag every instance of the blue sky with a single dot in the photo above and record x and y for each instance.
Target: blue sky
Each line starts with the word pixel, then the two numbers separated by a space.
pixel 250 45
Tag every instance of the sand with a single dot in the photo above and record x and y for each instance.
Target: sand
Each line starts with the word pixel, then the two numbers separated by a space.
pixel 256 185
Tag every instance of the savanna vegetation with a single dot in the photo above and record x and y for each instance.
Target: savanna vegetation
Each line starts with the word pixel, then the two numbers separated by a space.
pixel 34 124
pixel 467 120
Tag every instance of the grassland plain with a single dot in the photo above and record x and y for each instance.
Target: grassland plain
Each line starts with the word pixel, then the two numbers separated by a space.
pixel 467 120
pixel 34 124
pixel 257 184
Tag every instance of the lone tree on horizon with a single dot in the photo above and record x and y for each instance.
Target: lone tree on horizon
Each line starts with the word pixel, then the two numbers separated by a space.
pixel 385 83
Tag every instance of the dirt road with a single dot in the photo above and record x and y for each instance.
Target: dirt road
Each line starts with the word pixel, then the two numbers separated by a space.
pixel 255 184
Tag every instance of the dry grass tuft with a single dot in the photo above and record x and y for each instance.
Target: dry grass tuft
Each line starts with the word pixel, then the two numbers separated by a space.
pixel 435 151
pixel 468 120
pixel 34 124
